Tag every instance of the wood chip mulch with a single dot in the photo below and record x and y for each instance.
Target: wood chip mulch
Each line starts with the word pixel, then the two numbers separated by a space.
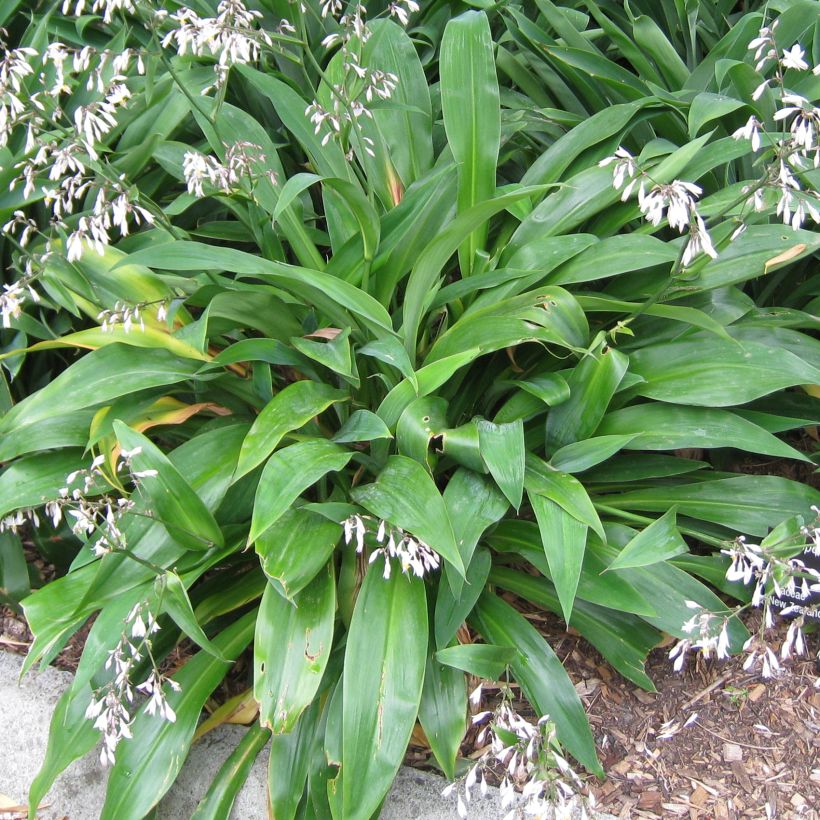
pixel 750 747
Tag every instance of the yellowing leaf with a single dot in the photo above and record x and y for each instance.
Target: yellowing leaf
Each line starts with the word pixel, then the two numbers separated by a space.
pixel 781 258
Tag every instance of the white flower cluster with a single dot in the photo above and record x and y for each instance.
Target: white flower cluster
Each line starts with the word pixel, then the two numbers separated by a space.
pixel 710 633
pixel 774 578
pixel 14 68
pixel 126 316
pixel 109 709
pixel 242 162
pixel 107 7
pixel 60 151
pixel 524 756
pixel 112 209
pixel 13 297
pixel 233 36
pixel 789 154
pixel 412 554
pixel 361 85
pixel 89 512
pixel 676 201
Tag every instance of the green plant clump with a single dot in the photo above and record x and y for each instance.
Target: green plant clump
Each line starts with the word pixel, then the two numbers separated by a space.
pixel 327 331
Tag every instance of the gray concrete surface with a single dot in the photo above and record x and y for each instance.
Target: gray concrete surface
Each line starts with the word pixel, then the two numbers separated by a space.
pixel 25 712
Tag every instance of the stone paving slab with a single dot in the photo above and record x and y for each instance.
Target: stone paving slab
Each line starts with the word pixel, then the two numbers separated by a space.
pixel 25 712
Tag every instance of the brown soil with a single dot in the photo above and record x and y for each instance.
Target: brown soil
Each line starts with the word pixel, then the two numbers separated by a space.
pixel 750 742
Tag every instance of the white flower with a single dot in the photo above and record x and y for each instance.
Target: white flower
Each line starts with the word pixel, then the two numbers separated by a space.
pixel 699 241
pixel 793 58
pixel 750 131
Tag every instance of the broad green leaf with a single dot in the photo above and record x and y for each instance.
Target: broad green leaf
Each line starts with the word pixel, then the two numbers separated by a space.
pixel 389 350
pixel 658 426
pixel 462 445
pixel 611 591
pixel 430 378
pixel 564 540
pixel 718 373
pixel 541 675
pixel 424 279
pixel 668 587
pixel 362 425
pixel 628 467
pixel 452 609
pixel 563 489
pixel 592 384
pixel 602 125
pixel 32 480
pixel 443 712
pixel 471 110
pixel 551 388
pixel 479 659
pixel 328 292
pixel 550 316
pixel 289 764
pixel 582 455
pixel 503 451
pixel 473 503
pixel 148 764
pixel 405 495
pixel 291 408
pixel 760 250
pixel 219 799
pixel 657 542
pixel 95 338
pixel 675 313
pixel 614 255
pixel 543 255
pixel 421 420
pixel 288 473
pixel 750 504
pixel 707 107
pixel 177 506
pixel 406 124
pixel 291 650
pixel 650 38
pixel 383 674
pixel 15 583
pixel 623 639
pixel 97 378
pixel 176 603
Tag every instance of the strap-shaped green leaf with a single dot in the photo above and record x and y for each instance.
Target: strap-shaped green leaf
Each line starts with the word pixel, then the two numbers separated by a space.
pixel 290 409
pixel 443 712
pixel 471 108
pixel 564 539
pixel 592 384
pixel 541 674
pixel 97 378
pixel 218 800
pixel 657 542
pixel 405 495
pixel 383 675
pixel 480 659
pixel 291 650
pixel 503 451
pixel 172 498
pixel 288 473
